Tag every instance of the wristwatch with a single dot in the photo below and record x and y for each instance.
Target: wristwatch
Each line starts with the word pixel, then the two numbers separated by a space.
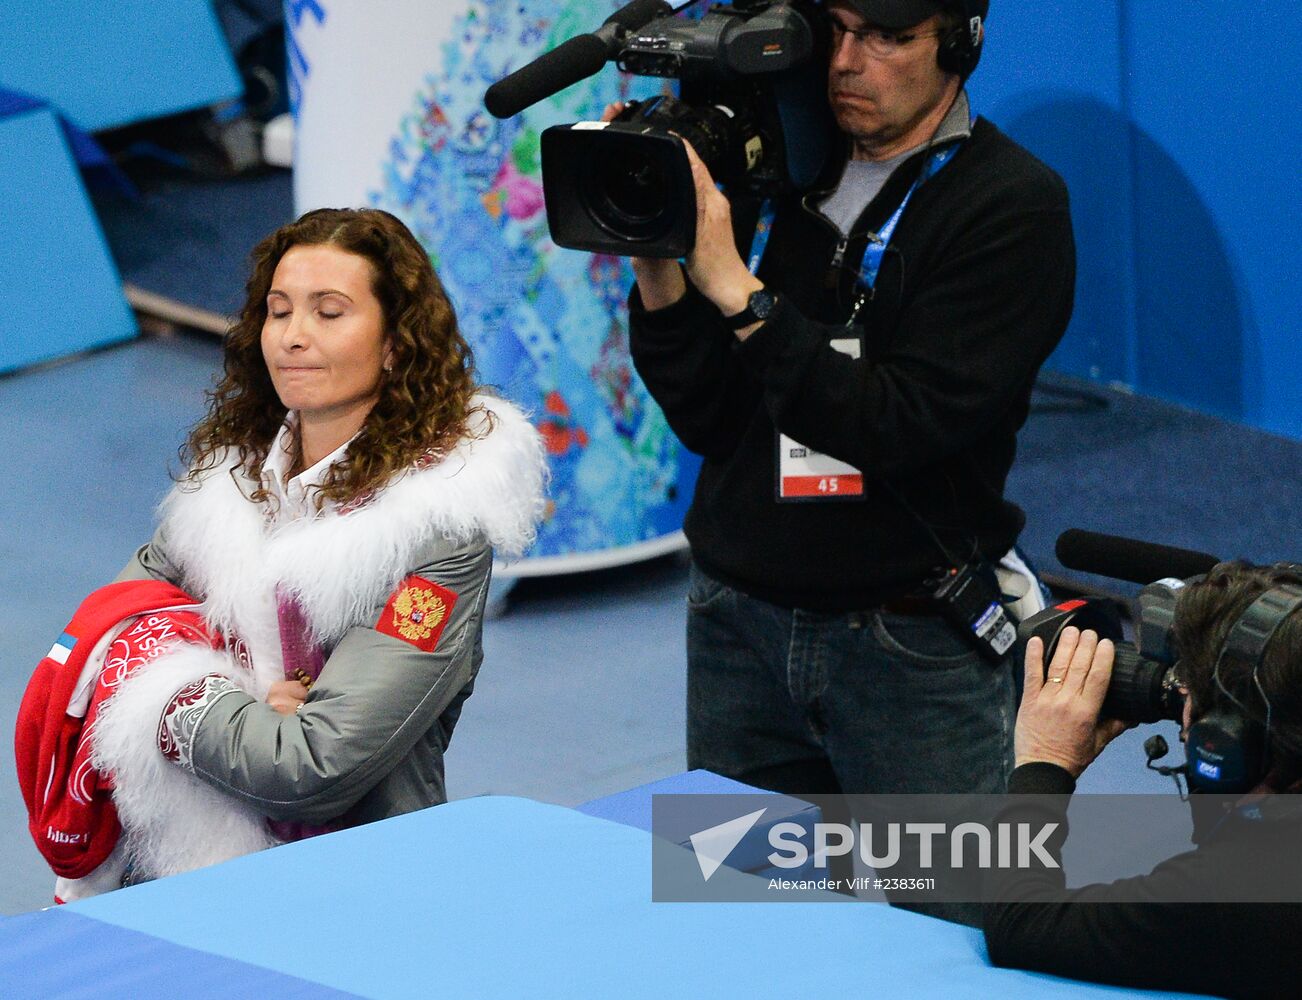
pixel 759 307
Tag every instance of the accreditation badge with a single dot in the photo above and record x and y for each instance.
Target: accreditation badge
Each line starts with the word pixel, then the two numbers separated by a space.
pixel 808 475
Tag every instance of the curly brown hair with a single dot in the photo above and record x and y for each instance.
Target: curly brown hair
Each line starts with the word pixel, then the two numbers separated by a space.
pixel 1205 613
pixel 425 403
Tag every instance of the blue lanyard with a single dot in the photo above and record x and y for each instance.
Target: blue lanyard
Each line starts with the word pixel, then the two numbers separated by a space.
pixel 877 244
pixel 763 230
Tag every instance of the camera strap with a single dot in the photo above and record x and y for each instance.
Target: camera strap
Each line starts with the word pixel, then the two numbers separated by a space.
pixel 877 242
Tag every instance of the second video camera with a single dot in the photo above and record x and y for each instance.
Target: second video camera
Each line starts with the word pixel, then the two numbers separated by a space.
pixel 1144 686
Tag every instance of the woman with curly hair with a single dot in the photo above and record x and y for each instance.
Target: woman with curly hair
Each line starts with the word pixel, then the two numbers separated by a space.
pixel 337 521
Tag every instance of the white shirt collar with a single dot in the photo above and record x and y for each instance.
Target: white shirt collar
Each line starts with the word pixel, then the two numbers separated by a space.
pixel 295 496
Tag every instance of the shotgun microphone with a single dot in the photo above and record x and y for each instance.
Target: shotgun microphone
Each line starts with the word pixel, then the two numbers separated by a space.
pixel 576 59
pixel 1129 559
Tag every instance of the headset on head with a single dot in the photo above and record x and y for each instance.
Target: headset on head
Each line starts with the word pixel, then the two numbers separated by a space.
pixel 960 50
pixel 1228 749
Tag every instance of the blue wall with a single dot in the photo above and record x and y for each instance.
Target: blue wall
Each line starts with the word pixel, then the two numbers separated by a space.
pixel 1173 124
pixel 59 289
pixel 109 64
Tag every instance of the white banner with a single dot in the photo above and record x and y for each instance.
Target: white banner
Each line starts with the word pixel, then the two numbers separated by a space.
pixel 389 102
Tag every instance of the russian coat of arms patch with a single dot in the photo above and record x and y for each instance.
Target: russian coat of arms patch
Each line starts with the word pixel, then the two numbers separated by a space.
pixel 417 613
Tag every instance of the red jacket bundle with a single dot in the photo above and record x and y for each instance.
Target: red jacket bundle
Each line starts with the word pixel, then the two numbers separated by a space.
pixel 116 630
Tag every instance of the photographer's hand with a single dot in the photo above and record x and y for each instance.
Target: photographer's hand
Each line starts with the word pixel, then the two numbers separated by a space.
pixel 660 281
pixel 1059 722
pixel 714 266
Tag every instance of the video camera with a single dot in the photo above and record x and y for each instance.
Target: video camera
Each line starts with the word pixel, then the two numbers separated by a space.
pixel 751 103
pixel 1228 743
pixel 1144 686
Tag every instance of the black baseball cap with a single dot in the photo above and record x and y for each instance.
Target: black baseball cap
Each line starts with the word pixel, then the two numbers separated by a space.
pixel 907 13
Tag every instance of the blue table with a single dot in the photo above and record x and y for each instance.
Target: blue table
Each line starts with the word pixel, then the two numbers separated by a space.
pixel 486 897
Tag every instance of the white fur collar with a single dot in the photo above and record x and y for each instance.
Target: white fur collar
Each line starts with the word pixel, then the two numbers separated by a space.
pixel 343 566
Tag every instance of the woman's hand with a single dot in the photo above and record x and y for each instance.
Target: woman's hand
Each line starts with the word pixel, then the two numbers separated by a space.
pixel 286 696
pixel 1059 722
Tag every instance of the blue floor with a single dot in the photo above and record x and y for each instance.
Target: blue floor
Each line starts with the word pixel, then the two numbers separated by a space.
pixel 582 688
pixel 189 238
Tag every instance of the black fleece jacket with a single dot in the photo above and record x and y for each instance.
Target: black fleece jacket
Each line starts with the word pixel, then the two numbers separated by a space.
pixel 974 293
pixel 1102 933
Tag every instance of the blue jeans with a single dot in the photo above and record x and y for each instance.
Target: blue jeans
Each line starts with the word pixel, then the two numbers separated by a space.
pixel 860 703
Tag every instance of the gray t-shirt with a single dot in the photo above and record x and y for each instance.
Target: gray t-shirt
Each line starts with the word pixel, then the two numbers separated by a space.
pixel 860 184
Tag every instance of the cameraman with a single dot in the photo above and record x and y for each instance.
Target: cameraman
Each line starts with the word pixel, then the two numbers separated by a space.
pixel 1234 949
pixel 818 660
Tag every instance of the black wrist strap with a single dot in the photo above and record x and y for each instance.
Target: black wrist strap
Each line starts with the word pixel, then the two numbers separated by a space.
pixel 749 316
pixel 742 320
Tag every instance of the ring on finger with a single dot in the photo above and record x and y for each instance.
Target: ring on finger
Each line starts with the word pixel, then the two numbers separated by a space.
pixel 1055 680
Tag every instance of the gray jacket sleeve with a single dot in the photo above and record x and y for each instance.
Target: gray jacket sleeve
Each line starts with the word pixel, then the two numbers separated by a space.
pixel 151 563
pixel 376 696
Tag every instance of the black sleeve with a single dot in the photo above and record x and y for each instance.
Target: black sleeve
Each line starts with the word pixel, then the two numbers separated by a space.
pixel 1085 933
pixel 970 344
pixel 687 357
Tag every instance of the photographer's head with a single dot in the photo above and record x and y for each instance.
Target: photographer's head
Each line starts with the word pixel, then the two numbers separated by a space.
pixel 961 26
pixel 895 67
pixel 1231 688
